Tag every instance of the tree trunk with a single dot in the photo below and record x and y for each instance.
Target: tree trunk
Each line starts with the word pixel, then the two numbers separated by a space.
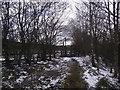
pixel 91 27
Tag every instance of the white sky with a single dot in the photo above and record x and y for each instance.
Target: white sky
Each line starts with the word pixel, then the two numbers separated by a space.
pixel 70 11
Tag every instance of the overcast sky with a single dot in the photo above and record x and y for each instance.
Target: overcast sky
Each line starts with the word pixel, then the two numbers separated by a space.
pixel 70 11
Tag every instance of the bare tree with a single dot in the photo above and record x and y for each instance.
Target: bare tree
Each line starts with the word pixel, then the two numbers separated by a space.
pixel 5 31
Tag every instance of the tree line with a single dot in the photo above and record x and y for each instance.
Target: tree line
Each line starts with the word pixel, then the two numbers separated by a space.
pixel 29 27
pixel 96 32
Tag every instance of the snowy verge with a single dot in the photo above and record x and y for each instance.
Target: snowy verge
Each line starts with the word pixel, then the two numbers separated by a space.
pixel 92 75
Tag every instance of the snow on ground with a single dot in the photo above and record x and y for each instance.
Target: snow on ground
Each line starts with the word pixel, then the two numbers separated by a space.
pixel 2 59
pixel 92 75
pixel 8 84
pixel 41 62
pixel 52 73
pixel 21 79
pixel 90 79
pixel 44 74
pixel 61 66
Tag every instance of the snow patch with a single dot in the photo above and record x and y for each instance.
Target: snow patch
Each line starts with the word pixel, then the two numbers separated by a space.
pixel 53 82
pixel 2 59
pixel 67 59
pixel 23 72
pixel 91 74
pixel 41 62
pixel 42 77
pixel 21 79
pixel 10 76
pixel 90 79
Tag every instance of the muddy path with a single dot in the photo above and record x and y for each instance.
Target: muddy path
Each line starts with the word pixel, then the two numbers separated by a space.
pixel 75 80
